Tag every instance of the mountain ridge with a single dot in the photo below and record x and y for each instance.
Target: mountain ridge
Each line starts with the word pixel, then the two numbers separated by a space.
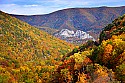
pixel 63 18
pixel 85 19
pixel 68 9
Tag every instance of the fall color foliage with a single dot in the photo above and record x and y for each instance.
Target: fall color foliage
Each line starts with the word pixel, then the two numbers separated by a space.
pixel 29 55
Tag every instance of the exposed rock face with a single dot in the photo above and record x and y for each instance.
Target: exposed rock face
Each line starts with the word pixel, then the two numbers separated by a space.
pixel 71 36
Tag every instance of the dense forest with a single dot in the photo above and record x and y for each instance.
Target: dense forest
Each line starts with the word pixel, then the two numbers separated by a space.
pixel 97 62
pixel 28 55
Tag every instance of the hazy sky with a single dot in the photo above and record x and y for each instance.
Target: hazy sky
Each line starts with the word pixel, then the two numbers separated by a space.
pixel 32 7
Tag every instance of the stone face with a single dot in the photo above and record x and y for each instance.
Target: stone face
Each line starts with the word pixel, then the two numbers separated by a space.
pixel 70 35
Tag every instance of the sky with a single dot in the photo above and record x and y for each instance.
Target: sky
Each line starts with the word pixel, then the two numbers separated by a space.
pixel 33 7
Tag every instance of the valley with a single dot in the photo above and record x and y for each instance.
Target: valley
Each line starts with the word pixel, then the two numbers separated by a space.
pixel 94 51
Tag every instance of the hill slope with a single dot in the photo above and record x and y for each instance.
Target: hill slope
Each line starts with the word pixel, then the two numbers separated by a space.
pixel 23 49
pixel 17 34
pixel 86 19
pixel 111 52
pixel 95 63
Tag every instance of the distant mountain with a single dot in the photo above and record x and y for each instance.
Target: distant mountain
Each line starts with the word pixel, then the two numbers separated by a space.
pixel 85 19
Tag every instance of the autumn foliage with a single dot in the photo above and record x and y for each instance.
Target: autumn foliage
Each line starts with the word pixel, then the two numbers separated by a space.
pixel 26 53
pixel 29 55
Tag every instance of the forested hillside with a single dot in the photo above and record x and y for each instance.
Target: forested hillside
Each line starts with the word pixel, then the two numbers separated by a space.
pixel 32 56
pixel 26 53
pixel 95 63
